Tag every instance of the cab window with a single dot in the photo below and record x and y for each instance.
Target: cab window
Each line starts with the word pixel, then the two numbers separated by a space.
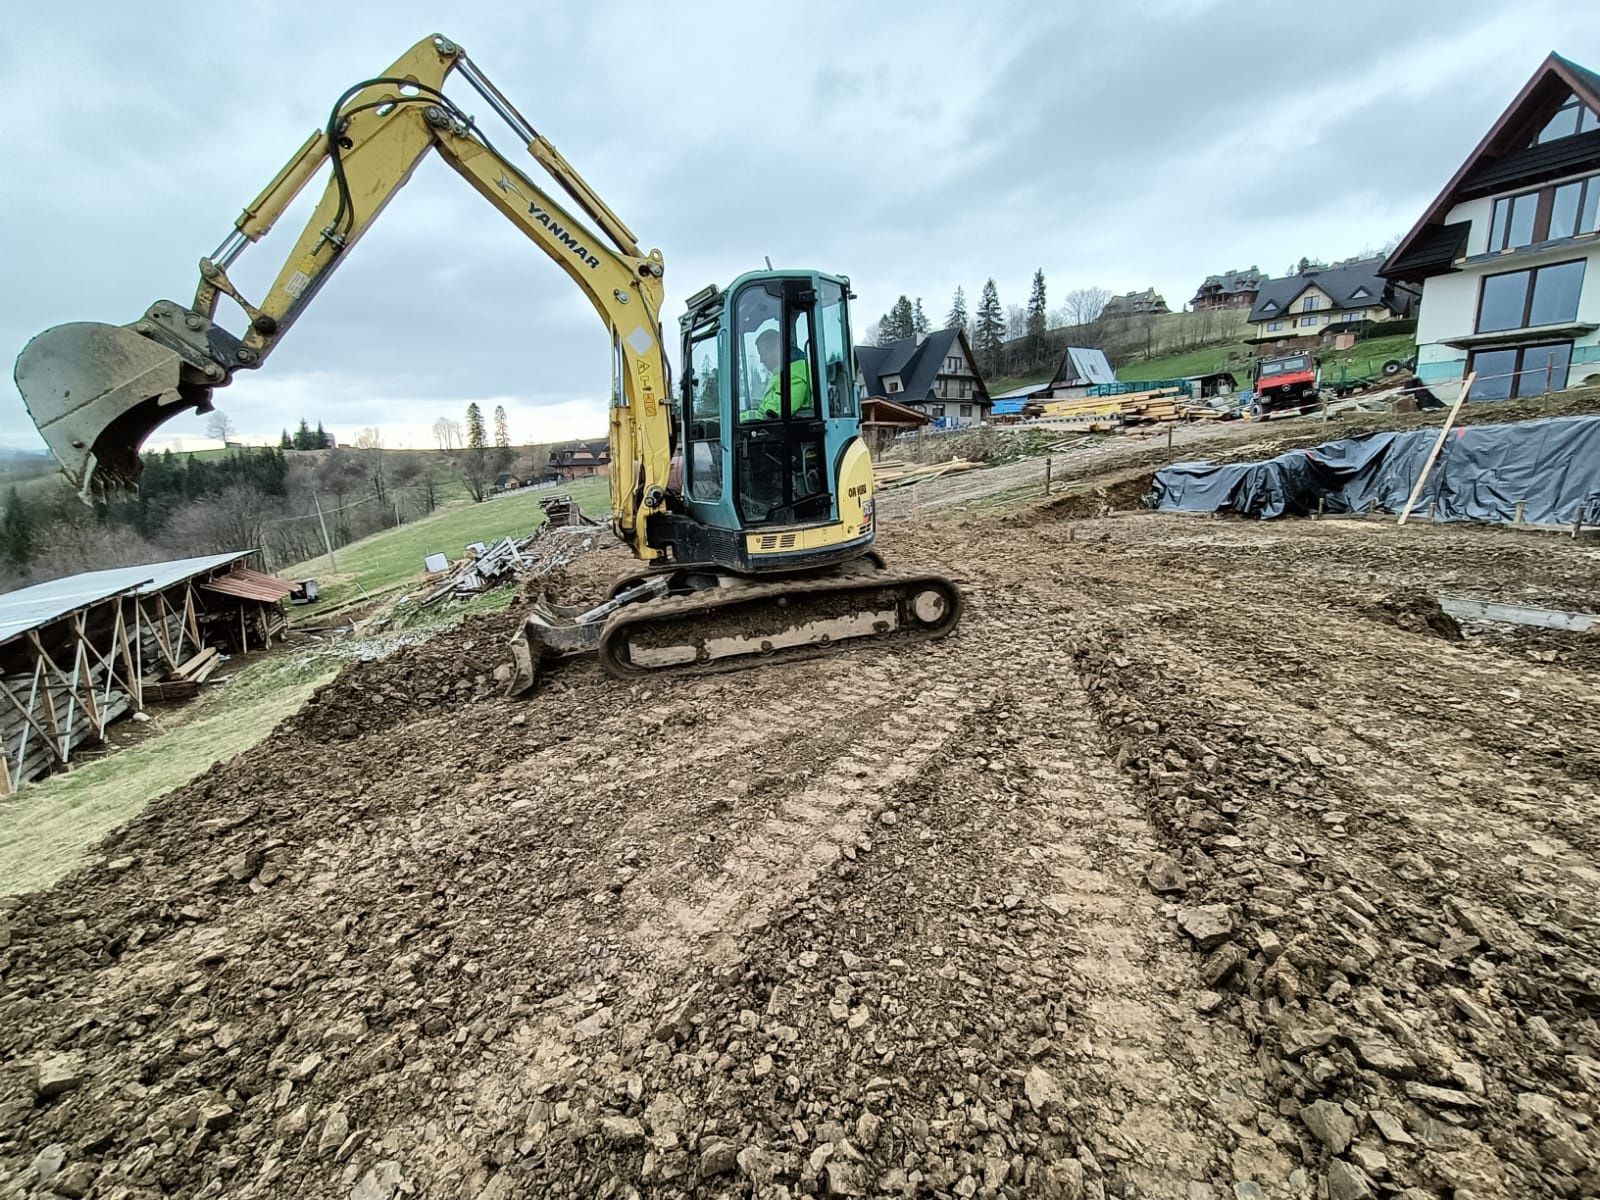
pixel 834 329
pixel 703 417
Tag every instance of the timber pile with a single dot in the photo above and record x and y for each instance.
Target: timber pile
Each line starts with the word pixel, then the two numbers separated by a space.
pixel 57 710
pixel 888 474
pixel 183 683
pixel 540 552
pixel 1147 408
pixel 564 510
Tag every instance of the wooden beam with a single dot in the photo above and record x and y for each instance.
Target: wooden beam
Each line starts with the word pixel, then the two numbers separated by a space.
pixel 29 718
pixel 1438 445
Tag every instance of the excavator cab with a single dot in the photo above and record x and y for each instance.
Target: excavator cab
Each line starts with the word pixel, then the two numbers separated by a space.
pixel 775 477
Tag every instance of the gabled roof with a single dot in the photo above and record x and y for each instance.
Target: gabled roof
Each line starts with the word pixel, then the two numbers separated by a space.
pixel 918 364
pixel 1232 282
pixel 26 608
pixel 1082 365
pixel 1505 158
pixel 1348 285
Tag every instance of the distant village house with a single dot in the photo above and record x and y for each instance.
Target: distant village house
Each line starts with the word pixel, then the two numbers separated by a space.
pixel 581 460
pixel 1302 309
pixel 1231 289
pixel 1508 254
pixel 935 374
pixel 1135 304
pixel 1080 369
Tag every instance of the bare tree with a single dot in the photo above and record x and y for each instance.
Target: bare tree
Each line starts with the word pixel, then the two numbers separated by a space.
pixel 444 432
pixel 221 426
pixel 1083 306
pixel 234 519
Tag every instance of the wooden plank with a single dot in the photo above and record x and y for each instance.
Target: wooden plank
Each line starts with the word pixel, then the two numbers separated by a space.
pixel 28 716
pixel 1438 445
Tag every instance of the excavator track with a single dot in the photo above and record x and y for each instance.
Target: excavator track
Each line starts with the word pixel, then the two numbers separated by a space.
pixel 748 624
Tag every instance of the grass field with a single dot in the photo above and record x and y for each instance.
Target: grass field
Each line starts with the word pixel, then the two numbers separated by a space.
pixel 1364 358
pixel 386 560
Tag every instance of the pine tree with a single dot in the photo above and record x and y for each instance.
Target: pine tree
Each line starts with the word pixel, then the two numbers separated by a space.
pixel 503 456
pixel 958 311
pixel 284 443
pixel 1036 320
pixel 303 436
pixel 919 319
pixel 903 318
pixel 475 463
pixel 991 330
pixel 320 438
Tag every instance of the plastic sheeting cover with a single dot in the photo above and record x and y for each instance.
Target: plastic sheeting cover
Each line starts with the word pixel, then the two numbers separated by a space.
pixel 1550 466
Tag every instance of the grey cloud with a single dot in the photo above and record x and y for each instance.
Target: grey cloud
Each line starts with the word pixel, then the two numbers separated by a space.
pixel 913 147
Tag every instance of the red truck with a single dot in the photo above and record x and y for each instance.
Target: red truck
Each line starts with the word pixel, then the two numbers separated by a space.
pixel 1287 383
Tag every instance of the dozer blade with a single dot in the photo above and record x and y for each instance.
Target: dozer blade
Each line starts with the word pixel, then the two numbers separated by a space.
pixel 749 624
pixel 96 392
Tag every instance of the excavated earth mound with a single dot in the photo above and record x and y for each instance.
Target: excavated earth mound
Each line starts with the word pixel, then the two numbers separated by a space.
pixel 1174 873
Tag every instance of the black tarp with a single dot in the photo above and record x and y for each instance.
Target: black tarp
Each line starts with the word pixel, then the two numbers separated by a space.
pixel 1550 466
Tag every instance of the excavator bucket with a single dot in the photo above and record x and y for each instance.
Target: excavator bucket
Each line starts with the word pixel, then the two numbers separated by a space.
pixel 96 392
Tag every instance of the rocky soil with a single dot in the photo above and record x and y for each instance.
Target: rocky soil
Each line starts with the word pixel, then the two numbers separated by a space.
pixel 1203 862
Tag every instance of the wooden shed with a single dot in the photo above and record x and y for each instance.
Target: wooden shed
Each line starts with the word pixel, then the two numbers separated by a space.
pixel 79 652
pixel 883 420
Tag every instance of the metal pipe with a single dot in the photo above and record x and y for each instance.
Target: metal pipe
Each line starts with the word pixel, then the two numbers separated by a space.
pixel 503 108
pixel 232 246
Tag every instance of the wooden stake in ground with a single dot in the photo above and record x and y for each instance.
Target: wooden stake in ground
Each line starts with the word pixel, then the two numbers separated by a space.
pixel 1427 467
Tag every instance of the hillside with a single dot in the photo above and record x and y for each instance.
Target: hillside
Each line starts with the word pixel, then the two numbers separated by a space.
pixel 385 561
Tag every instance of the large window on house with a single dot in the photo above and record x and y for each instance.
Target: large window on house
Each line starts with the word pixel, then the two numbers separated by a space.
pixel 1541 296
pixel 1504 372
pixel 1311 304
pixel 1572 117
pixel 1559 211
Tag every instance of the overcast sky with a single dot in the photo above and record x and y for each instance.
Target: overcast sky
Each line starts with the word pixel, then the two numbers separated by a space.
pixel 913 147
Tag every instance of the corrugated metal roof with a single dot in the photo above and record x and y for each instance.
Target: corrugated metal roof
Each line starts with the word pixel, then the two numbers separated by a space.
pixel 28 608
pixel 249 585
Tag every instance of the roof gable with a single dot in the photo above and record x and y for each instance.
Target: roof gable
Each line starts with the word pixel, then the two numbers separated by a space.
pixel 1550 85
pixel 918 364
pixel 1348 285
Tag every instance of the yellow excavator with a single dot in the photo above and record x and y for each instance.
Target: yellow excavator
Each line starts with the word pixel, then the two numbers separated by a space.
pixel 746 490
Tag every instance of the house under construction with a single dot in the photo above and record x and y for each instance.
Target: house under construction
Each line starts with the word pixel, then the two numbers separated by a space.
pixel 80 652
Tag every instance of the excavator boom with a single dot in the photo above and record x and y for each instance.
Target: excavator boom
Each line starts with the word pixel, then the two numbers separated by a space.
pixel 97 391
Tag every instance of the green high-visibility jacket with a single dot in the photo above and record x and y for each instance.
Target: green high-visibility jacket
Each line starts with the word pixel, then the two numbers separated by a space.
pixel 799 392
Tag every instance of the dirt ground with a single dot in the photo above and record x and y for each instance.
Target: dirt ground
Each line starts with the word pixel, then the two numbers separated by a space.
pixel 1205 860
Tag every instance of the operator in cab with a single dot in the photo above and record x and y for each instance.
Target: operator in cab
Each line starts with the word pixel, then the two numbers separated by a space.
pixel 769 345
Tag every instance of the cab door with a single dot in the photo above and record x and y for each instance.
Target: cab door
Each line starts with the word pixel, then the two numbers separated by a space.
pixel 780 468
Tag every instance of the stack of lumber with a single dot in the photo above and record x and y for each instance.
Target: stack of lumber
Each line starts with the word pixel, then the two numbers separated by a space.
pixel 1146 408
pixel 1085 408
pixel 20 736
pixel 183 682
pixel 889 474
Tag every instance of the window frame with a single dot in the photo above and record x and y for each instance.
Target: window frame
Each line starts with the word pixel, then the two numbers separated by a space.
pixel 1528 294
pixel 1543 200
pixel 1518 368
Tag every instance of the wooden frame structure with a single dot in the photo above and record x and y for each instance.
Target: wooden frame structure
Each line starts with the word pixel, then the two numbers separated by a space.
pixel 78 653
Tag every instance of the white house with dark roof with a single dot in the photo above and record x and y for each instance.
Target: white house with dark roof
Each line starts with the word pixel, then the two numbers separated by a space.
pixel 1308 304
pixel 1508 254
pixel 935 374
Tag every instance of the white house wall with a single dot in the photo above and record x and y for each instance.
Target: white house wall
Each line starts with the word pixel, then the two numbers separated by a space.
pixel 1450 303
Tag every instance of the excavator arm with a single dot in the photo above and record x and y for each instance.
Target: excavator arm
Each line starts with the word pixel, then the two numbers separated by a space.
pixel 97 391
